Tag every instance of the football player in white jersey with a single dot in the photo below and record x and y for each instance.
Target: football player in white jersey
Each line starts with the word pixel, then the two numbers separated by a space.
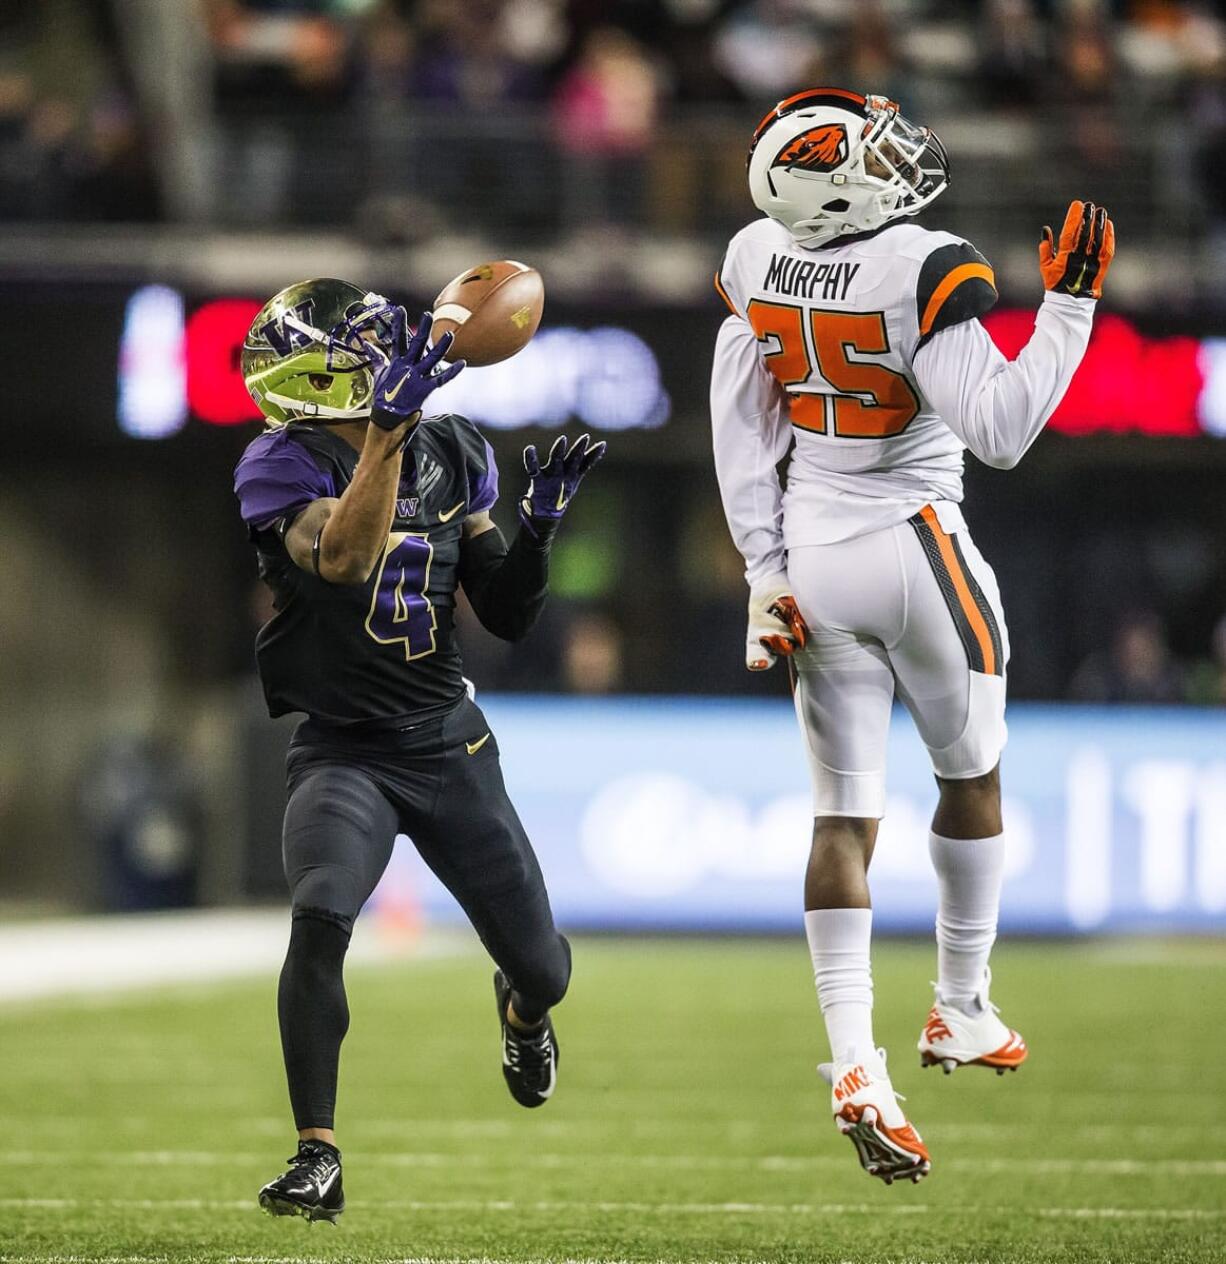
pixel 853 342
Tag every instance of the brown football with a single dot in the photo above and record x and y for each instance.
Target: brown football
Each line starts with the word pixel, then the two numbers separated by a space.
pixel 493 310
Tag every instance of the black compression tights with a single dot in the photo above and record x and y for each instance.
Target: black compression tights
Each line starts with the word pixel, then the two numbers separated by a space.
pixel 314 1015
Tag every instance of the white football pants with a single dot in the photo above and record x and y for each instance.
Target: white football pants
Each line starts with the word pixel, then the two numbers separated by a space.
pixel 912 610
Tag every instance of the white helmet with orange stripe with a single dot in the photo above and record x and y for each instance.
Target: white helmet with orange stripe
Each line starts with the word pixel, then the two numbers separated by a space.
pixel 828 162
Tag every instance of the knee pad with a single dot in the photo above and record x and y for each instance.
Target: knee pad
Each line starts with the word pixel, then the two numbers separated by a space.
pixel 857 794
pixel 978 748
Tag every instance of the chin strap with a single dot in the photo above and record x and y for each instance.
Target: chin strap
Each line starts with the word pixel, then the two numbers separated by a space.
pixel 307 408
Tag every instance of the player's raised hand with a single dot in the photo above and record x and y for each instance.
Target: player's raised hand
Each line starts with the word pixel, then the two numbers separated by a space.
pixel 403 384
pixel 1078 263
pixel 551 486
pixel 776 626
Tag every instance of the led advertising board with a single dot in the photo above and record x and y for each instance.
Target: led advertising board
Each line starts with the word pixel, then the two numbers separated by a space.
pixel 668 814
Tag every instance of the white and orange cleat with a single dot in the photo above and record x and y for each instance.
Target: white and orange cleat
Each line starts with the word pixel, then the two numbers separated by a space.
pixel 952 1038
pixel 865 1108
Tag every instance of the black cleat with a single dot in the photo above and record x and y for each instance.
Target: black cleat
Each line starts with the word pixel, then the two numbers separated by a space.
pixel 312 1186
pixel 529 1060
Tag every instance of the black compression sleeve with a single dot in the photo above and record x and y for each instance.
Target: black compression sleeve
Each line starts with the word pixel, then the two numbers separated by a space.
pixel 507 586
pixel 314 1016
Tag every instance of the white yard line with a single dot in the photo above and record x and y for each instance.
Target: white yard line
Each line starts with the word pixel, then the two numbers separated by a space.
pixel 479 1205
pixel 1096 1167
pixel 1130 1213
pixel 1001 1136
pixel 631 1208
pixel 677 1162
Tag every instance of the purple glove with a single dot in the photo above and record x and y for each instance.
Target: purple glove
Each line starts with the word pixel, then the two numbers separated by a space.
pixel 552 485
pixel 403 384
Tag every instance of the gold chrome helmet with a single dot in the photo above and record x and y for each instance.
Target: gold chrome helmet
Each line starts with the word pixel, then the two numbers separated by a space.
pixel 313 351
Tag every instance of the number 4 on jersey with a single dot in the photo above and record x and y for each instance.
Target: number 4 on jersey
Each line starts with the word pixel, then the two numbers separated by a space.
pixel 872 401
pixel 400 611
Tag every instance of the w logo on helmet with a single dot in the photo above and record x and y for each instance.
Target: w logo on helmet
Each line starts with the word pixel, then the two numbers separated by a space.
pixel 283 338
pixel 819 149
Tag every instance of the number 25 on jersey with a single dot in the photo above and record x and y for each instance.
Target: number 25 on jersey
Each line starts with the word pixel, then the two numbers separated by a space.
pixel 868 400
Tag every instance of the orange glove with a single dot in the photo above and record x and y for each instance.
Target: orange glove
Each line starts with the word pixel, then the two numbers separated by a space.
pixel 1087 246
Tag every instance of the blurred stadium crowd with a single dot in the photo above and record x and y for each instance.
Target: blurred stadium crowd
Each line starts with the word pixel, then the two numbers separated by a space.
pixel 554 113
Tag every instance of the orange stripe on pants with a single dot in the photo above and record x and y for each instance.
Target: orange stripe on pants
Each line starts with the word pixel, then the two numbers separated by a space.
pixel 965 599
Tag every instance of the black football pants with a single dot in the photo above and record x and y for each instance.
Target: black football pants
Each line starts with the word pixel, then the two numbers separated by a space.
pixel 440 783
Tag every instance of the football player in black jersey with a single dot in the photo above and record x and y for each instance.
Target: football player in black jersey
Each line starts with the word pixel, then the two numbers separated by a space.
pixel 365 518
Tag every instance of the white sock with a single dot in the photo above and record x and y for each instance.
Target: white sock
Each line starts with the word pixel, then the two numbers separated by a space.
pixel 839 945
pixel 969 874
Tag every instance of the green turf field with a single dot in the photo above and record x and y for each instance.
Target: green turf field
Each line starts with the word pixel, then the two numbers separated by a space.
pixel 688 1125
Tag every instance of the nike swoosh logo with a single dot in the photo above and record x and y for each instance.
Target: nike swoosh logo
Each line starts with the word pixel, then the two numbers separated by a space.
pixel 451 513
pixel 474 747
pixel 324 1186
pixel 391 395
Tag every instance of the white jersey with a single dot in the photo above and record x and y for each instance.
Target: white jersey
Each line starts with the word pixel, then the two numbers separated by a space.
pixel 867 359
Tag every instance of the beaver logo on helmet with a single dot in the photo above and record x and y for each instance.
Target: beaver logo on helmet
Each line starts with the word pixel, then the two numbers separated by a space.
pixel 819 149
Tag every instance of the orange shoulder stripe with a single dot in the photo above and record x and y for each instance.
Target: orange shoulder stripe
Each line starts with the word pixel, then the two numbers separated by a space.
pixel 963 272
pixel 723 293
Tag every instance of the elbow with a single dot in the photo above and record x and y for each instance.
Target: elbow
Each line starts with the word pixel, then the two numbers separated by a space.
pixel 991 451
pixel 506 621
pixel 336 560
pixel 1001 460
pixel 510 629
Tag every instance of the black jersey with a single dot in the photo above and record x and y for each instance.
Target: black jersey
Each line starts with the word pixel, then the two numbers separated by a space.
pixel 381 652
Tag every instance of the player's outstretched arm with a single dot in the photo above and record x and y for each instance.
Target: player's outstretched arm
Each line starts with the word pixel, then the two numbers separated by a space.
pixel 508 586
pixel 998 407
pixel 341 540
pixel 751 436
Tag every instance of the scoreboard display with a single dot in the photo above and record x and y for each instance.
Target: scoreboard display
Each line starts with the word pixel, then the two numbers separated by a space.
pixel 175 364
pixel 151 362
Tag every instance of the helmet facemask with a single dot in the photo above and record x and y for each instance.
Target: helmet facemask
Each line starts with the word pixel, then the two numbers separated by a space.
pixel 828 164
pixel 907 162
